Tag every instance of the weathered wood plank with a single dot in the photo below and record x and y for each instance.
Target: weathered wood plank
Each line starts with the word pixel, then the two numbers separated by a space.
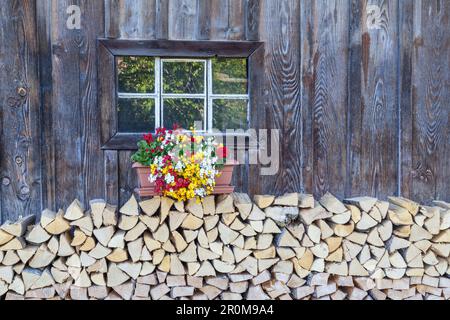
pixel 76 116
pixel 182 19
pixel 132 19
pixel 281 31
pixel 430 101
pixel 112 176
pixel 227 19
pixel 406 10
pixel 324 57
pixel 375 155
pixel 127 177
pixel 47 143
pixel 20 102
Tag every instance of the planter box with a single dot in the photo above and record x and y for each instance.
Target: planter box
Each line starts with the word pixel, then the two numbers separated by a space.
pixel 147 189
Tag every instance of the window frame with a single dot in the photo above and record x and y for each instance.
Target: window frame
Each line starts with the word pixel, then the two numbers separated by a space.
pixel 110 49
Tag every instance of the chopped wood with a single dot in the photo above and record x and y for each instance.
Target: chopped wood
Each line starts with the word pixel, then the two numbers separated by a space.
pixel 400 216
pixel 151 206
pixel 19 228
pixel 126 223
pixel 411 206
pixel 131 207
pixel 288 200
pixel 37 235
pixel 59 224
pixel 263 201
pixel 282 215
pixel 75 211
pixel 308 216
pixel 364 203
pixel 243 204
pixel 109 215
pixel 209 206
pixel 192 222
pixel 97 207
pixel 332 204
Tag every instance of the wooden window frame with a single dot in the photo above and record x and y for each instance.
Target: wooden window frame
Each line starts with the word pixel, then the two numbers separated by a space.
pixel 109 49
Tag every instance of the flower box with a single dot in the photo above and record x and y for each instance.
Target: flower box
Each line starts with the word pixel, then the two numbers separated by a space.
pixel 182 165
pixel 147 188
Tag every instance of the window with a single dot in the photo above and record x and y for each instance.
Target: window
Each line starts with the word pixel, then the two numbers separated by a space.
pixel 155 92
pixel 144 84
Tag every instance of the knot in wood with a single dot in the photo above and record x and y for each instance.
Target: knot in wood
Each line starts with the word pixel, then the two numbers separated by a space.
pixel 6 181
pixel 24 190
pixel 19 160
pixel 21 91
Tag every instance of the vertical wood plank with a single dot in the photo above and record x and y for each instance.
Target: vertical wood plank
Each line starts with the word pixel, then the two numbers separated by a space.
pixel 162 19
pixel 324 95
pixel 47 141
pixel 376 153
pixel 280 29
pixel 132 19
pixel 256 78
pixel 127 177
pixel 111 176
pixel 406 17
pixel 20 107
pixel 143 19
pixel 76 119
pixel 228 19
pixel 182 19
pixel 430 101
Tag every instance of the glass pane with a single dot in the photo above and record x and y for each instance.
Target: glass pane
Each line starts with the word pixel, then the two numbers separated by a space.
pixel 136 115
pixel 230 114
pixel 184 112
pixel 136 74
pixel 184 77
pixel 229 76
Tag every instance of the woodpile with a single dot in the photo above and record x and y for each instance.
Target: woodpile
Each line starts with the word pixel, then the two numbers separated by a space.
pixel 231 248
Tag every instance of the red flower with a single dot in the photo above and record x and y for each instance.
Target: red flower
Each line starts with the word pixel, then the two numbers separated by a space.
pixel 222 152
pixel 148 138
pixel 176 126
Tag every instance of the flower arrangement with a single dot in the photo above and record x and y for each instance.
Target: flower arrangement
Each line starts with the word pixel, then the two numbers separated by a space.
pixel 183 165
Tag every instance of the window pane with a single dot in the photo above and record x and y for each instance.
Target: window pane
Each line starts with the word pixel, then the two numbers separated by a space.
pixel 136 74
pixel 136 115
pixel 230 114
pixel 184 77
pixel 229 76
pixel 184 112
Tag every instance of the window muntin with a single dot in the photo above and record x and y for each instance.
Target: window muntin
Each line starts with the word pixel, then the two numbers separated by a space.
pixel 213 92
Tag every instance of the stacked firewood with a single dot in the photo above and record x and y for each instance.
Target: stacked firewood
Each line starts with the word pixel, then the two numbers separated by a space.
pixel 229 247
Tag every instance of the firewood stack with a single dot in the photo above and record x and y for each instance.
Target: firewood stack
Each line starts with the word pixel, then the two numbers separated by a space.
pixel 288 247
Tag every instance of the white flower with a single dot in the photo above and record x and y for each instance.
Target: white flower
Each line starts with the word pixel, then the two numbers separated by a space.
pixel 152 178
pixel 169 178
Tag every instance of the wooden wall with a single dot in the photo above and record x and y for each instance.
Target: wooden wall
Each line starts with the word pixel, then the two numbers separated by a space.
pixel 359 89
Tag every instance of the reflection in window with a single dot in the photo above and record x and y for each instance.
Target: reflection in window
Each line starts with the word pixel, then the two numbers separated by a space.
pixel 183 77
pixel 136 115
pixel 184 112
pixel 229 76
pixel 136 74
pixel 230 114
pixel 154 92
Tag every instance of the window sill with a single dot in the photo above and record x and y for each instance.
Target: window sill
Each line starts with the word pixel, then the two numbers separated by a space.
pixel 128 141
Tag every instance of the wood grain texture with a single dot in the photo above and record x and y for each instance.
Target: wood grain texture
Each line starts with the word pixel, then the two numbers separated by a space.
pixel 20 107
pixel 324 95
pixel 76 115
pixel 227 19
pixel 133 19
pixel 375 155
pixel 281 32
pixel 183 19
pixel 47 139
pixel 430 101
